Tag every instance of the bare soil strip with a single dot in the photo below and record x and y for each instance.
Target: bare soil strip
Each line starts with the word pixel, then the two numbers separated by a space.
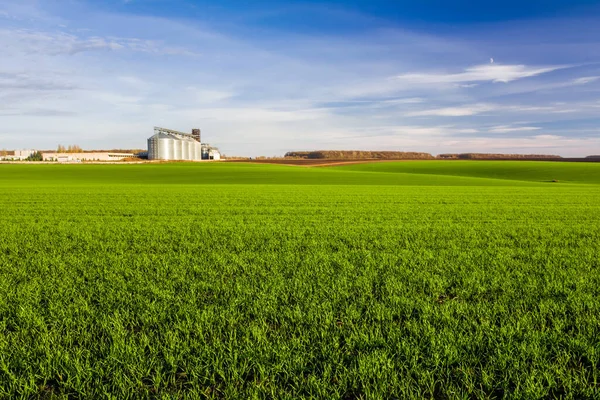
pixel 314 162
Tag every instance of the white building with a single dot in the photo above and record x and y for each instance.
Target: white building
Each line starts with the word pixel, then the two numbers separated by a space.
pixel 16 155
pixel 90 156
pixel 214 154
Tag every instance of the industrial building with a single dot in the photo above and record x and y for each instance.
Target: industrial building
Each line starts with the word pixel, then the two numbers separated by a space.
pixel 15 155
pixel 167 144
pixel 86 156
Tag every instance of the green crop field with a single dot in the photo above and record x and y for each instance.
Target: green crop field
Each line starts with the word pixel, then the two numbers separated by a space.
pixel 443 280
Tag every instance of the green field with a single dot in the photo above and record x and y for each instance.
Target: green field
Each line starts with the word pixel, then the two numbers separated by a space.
pixel 429 279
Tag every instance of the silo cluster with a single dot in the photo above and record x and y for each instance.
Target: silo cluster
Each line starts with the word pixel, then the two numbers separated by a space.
pixel 167 144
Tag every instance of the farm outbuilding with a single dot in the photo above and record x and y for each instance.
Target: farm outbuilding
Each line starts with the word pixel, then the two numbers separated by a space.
pixel 167 144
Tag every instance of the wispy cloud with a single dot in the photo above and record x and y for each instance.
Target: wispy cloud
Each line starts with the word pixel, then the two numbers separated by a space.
pixel 585 79
pixel 495 109
pixel 462 111
pixel 508 128
pixel 24 81
pixel 548 137
pixel 545 144
pixel 480 73
pixel 57 43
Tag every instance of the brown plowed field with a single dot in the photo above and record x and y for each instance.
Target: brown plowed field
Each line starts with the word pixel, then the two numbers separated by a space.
pixel 313 162
pixel 330 163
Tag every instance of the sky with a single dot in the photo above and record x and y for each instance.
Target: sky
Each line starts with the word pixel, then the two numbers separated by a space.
pixel 266 77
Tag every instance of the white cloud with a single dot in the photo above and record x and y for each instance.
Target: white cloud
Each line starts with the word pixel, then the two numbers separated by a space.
pixel 528 108
pixel 35 42
pixel 411 100
pixel 547 137
pixel 499 110
pixel 585 79
pixel 25 41
pixel 461 111
pixel 565 111
pixel 480 73
pixel 508 128
pixel 540 144
pixel 410 131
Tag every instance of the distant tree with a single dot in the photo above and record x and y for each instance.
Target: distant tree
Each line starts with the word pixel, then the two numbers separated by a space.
pixel 72 148
pixel 3 153
pixel 37 156
pixel 61 149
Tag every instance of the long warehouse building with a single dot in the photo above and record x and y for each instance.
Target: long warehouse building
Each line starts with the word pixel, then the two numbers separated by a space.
pixel 167 144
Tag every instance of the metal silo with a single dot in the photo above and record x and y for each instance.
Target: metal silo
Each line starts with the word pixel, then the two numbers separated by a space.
pixel 166 147
pixel 167 144
pixel 197 151
pixel 193 151
pixel 185 145
pixel 184 149
pixel 158 146
pixel 171 151
pixel 152 148
pixel 177 148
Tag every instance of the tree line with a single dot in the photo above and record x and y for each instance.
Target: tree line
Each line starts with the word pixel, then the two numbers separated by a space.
pixel 72 148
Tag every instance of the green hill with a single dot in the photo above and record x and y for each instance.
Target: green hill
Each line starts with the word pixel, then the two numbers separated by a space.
pixel 421 173
pixel 533 171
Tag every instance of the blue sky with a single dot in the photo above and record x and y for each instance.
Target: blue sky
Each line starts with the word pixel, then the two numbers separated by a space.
pixel 266 77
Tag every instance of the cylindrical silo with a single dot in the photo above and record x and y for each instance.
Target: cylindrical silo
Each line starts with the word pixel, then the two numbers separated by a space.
pixel 197 151
pixel 164 146
pixel 177 149
pixel 169 148
pixel 185 147
pixel 152 148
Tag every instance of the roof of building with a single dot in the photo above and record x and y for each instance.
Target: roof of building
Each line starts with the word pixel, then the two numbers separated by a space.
pixel 161 135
